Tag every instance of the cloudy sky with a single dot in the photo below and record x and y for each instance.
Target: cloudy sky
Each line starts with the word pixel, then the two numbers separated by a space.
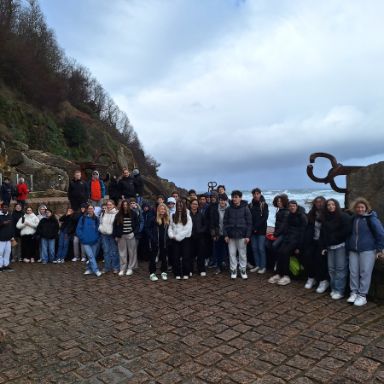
pixel 237 91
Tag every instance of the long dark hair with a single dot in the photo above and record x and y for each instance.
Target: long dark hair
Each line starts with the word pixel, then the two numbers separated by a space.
pixel 180 216
pixel 313 213
pixel 327 214
pixel 120 215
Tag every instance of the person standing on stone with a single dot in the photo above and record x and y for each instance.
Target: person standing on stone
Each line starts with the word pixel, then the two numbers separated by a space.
pixel 335 230
pixel 27 225
pixel 88 233
pixel 22 192
pixel 365 243
pixel 127 185
pixel 16 249
pixel 77 192
pixel 6 236
pixel 7 191
pixel 237 233
pixel 96 189
pixel 139 185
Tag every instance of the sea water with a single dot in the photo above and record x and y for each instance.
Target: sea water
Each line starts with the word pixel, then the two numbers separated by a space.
pixel 304 197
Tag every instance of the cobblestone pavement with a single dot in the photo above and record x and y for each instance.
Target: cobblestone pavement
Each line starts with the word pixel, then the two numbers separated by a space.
pixel 68 328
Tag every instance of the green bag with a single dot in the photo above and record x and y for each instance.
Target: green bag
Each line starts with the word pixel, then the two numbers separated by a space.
pixel 294 266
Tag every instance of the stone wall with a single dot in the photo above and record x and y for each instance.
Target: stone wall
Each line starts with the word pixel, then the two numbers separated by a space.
pixel 368 182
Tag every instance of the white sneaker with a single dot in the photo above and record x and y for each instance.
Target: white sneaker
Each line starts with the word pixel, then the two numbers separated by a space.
pixel 75 259
pixel 83 259
pixel 178 277
pixel 121 273
pixel 274 279
pixel 153 277
pixel 203 274
pixel 233 274
pixel 98 273
pixel 332 293
pixel 360 301
pixel 39 261
pixel 185 277
pixel 285 280
pixel 87 272
pixel 337 296
pixel 261 271
pixel 352 298
pixel 310 283
pixel 323 286
pixel 250 266
pixel 164 276
pixel 243 274
pixel 55 261
pixel 254 269
pixel 129 272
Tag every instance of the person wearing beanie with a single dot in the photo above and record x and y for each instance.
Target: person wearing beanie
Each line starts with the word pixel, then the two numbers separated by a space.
pixel 96 189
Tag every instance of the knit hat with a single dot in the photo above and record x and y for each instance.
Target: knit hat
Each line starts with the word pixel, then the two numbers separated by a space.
pixel 95 173
pixel 171 200
pixel 135 172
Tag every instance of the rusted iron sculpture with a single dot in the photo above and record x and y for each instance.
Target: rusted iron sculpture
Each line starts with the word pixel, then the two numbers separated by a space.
pixel 337 169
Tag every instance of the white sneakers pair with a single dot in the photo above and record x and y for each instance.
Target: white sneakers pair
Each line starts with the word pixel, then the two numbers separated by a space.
pixel 279 280
pixel 259 270
pixel 243 274
pixel 128 273
pixel 153 276
pixel 357 300
pixel 322 287
pixel 88 272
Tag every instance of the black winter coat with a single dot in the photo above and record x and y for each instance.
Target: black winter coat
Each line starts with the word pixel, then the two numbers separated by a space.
pixel 335 229
pixel 69 223
pixel 127 187
pixel 294 228
pixel 6 227
pixel 281 217
pixel 259 212
pixel 16 215
pixel 139 185
pixel 199 224
pixel 113 190
pixel 48 228
pixel 238 221
pixel 78 191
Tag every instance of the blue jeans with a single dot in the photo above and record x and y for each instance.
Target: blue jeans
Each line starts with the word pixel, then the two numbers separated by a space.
pixel 361 266
pixel 259 251
pixel 90 251
pixel 47 250
pixel 220 251
pixel 111 254
pixel 62 249
pixel 338 269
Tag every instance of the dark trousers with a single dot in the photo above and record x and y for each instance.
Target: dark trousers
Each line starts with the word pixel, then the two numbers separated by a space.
pixel 221 251
pixel 28 247
pixel 284 253
pixel 198 252
pixel 181 263
pixel 163 256
pixel 315 264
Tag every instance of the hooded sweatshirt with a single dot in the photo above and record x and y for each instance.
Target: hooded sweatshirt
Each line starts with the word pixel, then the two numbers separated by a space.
pixel 106 221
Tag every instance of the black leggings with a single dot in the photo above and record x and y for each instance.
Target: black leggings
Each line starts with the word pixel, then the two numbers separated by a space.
pixel 163 256
pixel 181 263
pixel 198 252
pixel 284 253
pixel 315 264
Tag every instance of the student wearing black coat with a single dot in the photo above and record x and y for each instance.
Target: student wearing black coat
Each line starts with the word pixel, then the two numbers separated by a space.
pixel 6 235
pixel 48 229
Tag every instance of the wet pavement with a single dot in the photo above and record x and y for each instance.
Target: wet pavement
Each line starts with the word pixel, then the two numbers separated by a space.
pixel 63 327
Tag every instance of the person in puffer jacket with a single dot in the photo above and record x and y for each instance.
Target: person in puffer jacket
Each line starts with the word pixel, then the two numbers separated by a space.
pixel 89 235
pixel 180 231
pixel 111 254
pixel 237 233
pixel 365 241
pixel 27 225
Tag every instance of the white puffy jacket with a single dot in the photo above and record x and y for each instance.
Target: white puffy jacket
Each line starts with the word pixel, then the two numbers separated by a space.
pixel 179 231
pixel 30 224
pixel 106 221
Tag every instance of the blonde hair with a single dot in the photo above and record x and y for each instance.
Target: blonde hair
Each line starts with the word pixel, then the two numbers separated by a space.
pixel 360 200
pixel 165 219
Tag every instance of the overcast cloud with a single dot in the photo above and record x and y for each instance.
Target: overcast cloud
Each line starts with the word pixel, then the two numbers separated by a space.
pixel 240 92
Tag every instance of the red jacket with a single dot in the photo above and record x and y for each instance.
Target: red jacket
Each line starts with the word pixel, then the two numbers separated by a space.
pixel 22 191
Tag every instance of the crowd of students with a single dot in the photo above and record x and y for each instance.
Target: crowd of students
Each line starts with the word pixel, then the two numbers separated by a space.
pixel 187 235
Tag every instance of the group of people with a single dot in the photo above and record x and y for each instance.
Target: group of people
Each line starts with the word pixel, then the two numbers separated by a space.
pixel 189 234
